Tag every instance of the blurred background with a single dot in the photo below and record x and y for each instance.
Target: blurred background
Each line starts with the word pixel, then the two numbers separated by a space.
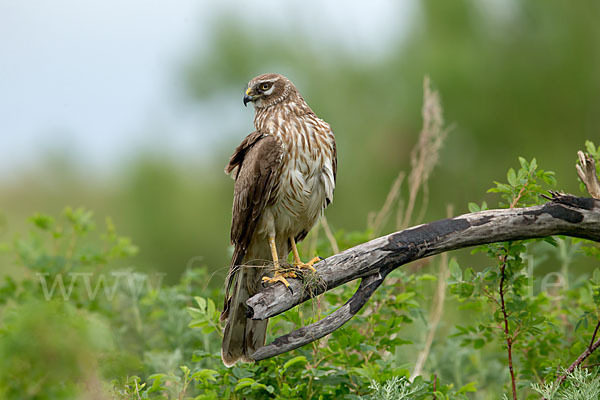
pixel 133 108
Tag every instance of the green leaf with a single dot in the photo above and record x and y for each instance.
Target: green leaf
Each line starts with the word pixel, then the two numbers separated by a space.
pixel 367 347
pixel 205 374
pixel 473 207
pixel 208 329
pixel 257 385
pixel 295 360
pixel 523 163
pixel 201 303
pixel 590 147
pixel 582 320
pixel 156 385
pixel 426 277
pixel 195 312
pixel 532 165
pixel 455 271
pixel 501 187
pixel 512 177
pixel 468 274
pixel 81 219
pixel 402 297
pixel 244 382
pixel 198 323
pixel 210 309
pixel 43 222
pixel 469 387
pixel 548 177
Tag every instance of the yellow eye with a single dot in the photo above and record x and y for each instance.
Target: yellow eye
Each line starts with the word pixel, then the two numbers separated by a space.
pixel 265 86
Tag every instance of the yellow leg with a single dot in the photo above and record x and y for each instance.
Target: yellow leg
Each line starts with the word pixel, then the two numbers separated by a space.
pixel 297 262
pixel 274 252
pixel 278 276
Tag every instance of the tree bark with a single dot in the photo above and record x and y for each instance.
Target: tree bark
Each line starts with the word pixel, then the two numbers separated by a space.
pixel 372 261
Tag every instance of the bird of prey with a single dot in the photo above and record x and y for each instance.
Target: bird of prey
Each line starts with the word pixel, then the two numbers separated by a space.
pixel 285 174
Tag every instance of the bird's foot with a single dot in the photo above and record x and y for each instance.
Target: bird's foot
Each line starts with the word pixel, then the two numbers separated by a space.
pixel 279 277
pixel 309 265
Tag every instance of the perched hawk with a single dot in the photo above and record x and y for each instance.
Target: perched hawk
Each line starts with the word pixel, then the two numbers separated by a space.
pixel 284 178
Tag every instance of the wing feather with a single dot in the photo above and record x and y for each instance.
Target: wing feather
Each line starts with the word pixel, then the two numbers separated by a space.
pixel 256 168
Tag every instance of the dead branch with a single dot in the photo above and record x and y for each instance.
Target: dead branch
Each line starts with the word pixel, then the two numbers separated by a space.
pixel 586 169
pixel 372 261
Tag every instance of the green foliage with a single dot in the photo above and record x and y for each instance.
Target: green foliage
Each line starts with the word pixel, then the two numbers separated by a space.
pixel 524 187
pixel 164 342
pixel 581 384
pixel 396 389
pixel 108 329
pixel 540 317
pixel 400 388
pixel 49 349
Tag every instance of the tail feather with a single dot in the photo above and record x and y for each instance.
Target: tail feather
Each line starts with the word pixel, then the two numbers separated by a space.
pixel 242 336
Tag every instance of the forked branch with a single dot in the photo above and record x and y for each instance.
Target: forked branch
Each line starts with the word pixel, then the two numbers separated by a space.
pixel 372 261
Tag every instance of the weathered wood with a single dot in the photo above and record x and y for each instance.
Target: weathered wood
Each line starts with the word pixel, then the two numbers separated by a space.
pixel 333 321
pixel 372 261
pixel 586 169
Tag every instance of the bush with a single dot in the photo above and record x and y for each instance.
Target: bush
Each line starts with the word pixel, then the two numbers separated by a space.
pixel 77 323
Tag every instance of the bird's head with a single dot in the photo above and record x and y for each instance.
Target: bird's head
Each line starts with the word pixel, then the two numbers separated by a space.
pixel 268 89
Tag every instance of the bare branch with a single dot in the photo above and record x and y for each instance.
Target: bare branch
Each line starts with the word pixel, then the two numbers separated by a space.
pixel 586 169
pixel 373 260
pixel 325 326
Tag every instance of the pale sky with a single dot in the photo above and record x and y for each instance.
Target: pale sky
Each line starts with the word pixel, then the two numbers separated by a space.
pixel 100 77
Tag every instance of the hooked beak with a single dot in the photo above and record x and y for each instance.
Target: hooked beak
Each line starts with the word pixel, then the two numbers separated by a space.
pixel 247 97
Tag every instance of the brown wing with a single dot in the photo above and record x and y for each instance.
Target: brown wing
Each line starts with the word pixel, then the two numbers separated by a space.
pixel 256 167
pixel 237 158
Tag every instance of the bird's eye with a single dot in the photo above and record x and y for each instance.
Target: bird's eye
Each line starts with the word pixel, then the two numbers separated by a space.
pixel 265 86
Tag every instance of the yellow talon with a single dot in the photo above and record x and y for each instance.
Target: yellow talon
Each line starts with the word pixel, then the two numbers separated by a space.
pixel 279 277
pixel 308 265
pixel 297 262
